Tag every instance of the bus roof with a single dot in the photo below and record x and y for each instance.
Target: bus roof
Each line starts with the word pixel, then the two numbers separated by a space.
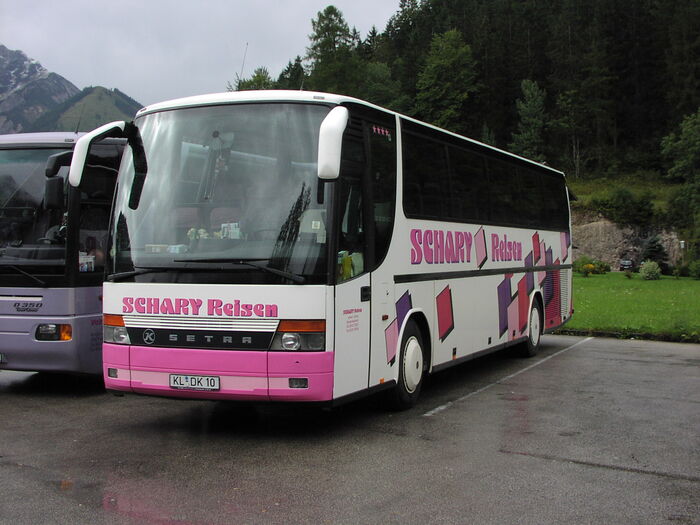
pixel 64 138
pixel 233 97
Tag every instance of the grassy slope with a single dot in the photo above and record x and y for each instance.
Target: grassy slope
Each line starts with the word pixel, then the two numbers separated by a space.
pixel 665 309
pixel 587 189
pixel 95 109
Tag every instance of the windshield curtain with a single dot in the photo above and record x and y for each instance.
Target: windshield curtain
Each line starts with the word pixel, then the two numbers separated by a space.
pixel 29 234
pixel 224 184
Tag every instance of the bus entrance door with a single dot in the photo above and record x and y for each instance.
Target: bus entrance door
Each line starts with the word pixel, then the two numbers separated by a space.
pixel 352 329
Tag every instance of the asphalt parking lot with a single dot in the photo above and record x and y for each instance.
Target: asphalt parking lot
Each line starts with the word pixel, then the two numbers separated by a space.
pixel 594 431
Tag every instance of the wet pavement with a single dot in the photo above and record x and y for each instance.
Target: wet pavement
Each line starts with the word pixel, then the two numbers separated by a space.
pixel 593 431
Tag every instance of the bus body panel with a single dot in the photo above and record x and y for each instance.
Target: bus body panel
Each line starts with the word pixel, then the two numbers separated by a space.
pixel 477 298
pixel 24 309
pixel 206 311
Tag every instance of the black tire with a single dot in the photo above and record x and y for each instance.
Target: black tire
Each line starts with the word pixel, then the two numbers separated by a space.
pixel 411 369
pixel 535 323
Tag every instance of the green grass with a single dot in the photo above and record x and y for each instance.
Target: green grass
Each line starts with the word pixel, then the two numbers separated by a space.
pixel 668 309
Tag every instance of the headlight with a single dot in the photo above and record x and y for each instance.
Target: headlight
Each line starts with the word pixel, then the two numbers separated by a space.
pixel 291 341
pixel 300 336
pixel 116 334
pixel 114 330
pixel 54 332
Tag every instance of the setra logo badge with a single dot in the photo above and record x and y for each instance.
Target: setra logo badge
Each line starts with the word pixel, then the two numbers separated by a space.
pixel 149 336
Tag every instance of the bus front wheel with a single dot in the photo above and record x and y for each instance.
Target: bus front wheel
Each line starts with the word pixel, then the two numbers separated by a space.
pixel 411 368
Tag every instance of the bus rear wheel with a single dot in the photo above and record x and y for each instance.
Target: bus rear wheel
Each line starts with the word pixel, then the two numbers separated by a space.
pixel 411 368
pixel 534 331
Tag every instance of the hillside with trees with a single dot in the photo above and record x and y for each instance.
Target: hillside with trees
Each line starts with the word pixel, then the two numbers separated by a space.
pixel 606 90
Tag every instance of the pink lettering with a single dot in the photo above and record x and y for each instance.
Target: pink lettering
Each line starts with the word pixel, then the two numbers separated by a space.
pixel 140 303
pixel 450 255
pixel 127 305
pixel 416 251
pixel 439 256
pixel 459 247
pixel 214 306
pixel 182 307
pixel 152 305
pixel 468 245
pixel 505 250
pixel 166 306
pixel 196 304
pixel 428 246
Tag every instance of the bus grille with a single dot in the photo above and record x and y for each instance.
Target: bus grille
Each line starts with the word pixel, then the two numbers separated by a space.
pixel 200 323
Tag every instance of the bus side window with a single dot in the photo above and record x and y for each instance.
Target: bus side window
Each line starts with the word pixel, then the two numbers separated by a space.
pixel 382 145
pixel 469 195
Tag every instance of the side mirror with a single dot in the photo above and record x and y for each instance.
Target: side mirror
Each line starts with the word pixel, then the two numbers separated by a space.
pixel 330 143
pixel 82 148
pixel 57 161
pixel 53 193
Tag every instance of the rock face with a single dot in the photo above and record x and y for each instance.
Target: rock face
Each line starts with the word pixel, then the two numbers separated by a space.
pixel 602 239
pixel 27 91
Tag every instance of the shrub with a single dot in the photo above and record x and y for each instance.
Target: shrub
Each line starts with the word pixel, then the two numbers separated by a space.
pixel 581 262
pixel 601 267
pixel 650 271
pixel 694 269
pixel 596 266
pixel 587 269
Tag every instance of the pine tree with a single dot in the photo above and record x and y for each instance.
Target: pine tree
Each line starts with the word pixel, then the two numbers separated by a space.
pixel 528 141
pixel 260 79
pixel 446 82
pixel 293 76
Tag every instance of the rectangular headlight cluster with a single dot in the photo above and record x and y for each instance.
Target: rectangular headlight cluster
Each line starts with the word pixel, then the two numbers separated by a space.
pixel 54 332
pixel 300 336
pixel 114 330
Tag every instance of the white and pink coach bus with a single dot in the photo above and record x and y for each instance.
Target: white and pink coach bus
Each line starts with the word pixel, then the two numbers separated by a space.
pixel 295 246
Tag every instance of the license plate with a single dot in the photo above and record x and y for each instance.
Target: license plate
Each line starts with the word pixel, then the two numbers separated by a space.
pixel 187 382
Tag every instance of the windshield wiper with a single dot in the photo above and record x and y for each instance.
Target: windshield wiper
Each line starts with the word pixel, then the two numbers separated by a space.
pixel 138 271
pixel 249 262
pixel 19 270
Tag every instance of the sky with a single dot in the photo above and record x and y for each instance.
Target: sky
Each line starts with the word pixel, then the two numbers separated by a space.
pixel 155 50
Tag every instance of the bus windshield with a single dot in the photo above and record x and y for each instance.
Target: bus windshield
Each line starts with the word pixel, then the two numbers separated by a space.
pixel 231 190
pixel 30 235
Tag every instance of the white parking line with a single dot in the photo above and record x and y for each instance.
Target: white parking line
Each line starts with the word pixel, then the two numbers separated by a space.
pixel 447 405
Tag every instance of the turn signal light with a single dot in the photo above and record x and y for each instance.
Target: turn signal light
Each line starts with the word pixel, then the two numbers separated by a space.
pixel 112 320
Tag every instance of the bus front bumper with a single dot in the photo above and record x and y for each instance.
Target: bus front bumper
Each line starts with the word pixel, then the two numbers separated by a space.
pixel 21 350
pixel 242 375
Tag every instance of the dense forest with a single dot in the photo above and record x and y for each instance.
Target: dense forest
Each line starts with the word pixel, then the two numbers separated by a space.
pixel 597 88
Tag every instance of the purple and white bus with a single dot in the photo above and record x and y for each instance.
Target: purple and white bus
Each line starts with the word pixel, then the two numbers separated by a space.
pixel 295 246
pixel 52 242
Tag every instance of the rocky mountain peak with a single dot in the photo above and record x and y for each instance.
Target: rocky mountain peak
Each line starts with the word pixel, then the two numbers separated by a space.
pixel 28 90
